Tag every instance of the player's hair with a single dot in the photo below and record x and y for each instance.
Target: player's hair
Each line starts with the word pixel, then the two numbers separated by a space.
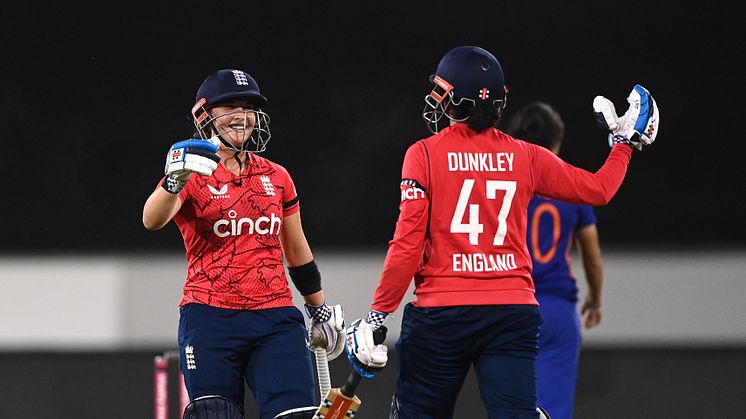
pixel 539 123
pixel 480 116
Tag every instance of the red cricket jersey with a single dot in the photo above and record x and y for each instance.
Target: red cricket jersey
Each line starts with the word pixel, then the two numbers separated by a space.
pixel 231 229
pixel 461 231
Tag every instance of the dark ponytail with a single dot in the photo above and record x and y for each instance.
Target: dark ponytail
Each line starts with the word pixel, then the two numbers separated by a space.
pixel 483 117
pixel 480 116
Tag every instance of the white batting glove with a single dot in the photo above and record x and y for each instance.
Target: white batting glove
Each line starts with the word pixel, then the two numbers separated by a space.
pixel 187 157
pixel 326 328
pixel 364 354
pixel 639 124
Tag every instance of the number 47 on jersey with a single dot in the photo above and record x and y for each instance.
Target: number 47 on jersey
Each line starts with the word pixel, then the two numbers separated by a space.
pixel 474 228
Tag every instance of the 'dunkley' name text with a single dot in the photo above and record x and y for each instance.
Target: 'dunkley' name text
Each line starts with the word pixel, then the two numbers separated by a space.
pixel 480 162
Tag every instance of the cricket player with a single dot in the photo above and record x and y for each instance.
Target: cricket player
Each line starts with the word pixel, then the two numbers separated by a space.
pixel 461 234
pixel 239 216
pixel 554 227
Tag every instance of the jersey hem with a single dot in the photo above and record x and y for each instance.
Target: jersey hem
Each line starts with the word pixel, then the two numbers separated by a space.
pixel 475 298
pixel 230 302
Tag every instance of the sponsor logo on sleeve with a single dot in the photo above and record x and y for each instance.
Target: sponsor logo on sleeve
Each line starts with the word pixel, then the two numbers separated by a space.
pixel 411 190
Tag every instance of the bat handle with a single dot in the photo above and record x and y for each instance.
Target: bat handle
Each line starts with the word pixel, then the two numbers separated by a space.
pixel 351 385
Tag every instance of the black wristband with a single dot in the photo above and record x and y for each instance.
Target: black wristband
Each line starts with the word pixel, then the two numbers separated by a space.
pixel 307 278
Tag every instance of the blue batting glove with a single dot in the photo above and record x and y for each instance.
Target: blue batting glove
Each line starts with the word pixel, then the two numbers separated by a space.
pixel 187 157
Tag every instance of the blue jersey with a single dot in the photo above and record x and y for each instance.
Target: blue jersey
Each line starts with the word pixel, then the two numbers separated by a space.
pixel 550 233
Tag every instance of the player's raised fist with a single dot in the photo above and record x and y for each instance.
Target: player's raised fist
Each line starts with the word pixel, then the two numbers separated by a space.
pixel 187 157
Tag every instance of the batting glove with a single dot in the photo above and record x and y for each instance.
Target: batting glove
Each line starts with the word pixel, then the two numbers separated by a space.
pixel 638 126
pixel 187 157
pixel 366 356
pixel 326 328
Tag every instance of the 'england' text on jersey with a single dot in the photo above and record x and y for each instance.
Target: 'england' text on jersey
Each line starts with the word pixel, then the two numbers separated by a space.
pixel 480 162
pixel 480 262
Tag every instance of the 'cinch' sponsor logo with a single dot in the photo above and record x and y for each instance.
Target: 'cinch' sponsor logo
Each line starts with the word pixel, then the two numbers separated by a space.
pixel 411 190
pixel 235 227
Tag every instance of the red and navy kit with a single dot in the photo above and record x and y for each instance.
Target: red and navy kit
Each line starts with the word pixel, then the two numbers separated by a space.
pixel 231 229
pixel 462 225
pixel 551 231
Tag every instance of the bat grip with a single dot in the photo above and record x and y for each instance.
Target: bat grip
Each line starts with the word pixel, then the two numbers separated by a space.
pixel 322 371
pixel 350 386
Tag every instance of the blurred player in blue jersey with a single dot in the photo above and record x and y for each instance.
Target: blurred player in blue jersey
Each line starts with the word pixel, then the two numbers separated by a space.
pixel 553 226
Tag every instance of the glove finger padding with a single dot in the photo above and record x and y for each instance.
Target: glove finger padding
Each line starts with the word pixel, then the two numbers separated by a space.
pixel 605 114
pixel 197 162
pixel 192 156
pixel 329 335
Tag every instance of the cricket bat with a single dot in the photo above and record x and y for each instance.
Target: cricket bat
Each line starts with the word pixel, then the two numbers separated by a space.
pixel 341 403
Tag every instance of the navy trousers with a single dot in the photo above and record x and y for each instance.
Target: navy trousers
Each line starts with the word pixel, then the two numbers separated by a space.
pixel 437 346
pixel 220 349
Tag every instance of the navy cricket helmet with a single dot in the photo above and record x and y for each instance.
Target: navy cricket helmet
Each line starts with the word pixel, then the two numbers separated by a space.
pixel 225 86
pixel 465 73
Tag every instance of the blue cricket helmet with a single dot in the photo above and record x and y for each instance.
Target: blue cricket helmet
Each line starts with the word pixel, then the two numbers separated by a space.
pixel 466 73
pixel 472 73
pixel 225 86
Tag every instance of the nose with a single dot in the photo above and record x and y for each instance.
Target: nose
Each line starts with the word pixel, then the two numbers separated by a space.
pixel 241 112
pixel 243 116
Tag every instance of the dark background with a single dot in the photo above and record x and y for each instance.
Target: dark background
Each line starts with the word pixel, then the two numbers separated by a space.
pixel 641 383
pixel 94 94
